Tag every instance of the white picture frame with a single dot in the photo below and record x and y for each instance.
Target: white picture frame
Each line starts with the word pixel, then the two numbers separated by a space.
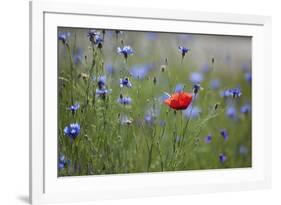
pixel 46 187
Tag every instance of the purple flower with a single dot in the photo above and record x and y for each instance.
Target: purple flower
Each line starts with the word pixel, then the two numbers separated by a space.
pixel 124 100
pixel 92 33
pixel 101 81
pixel 140 71
pixel 196 88
pixel 102 92
pixel 179 88
pixel 62 162
pixel 192 112
pixel 183 50
pixel 208 139
pixel 196 77
pixel 125 51
pixel 222 157
pixel 233 92
pixel 77 57
pixel 231 112
pixel 245 108
pixel 72 131
pixel 74 108
pixel 224 134
pixel 125 82
pixel 64 36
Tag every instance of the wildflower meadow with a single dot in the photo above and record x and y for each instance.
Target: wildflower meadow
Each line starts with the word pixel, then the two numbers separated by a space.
pixel 138 101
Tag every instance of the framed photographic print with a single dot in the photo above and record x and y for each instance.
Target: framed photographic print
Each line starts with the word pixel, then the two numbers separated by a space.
pixel 146 102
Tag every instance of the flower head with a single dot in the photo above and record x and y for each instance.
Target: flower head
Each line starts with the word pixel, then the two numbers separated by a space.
pixel 245 108
pixel 192 112
pixel 222 157
pixel 233 92
pixel 74 107
pixel 183 50
pixel 224 134
pixel 208 139
pixel 64 36
pixel 101 81
pixel 92 33
pixel 140 71
pixel 179 88
pixel 102 92
pixel 77 56
pixel 125 51
pixel 231 112
pixel 179 100
pixel 196 77
pixel 196 88
pixel 62 162
pixel 72 131
pixel 124 100
pixel 125 82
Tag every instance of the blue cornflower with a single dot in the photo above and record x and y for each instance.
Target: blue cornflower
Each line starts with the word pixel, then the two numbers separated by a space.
pixel 72 131
pixel 124 100
pixel 74 108
pixel 245 108
pixel 231 112
pixel 243 150
pixel 125 51
pixel 148 118
pixel 233 92
pixel 248 77
pixel 183 50
pixel 92 33
pixel 222 157
pixel 77 57
pixel 208 139
pixel 62 162
pixel 98 40
pixel 125 82
pixel 140 71
pixel 224 134
pixel 192 112
pixel 196 88
pixel 196 77
pixel 101 81
pixel 102 92
pixel 64 36
pixel 179 88
pixel 215 84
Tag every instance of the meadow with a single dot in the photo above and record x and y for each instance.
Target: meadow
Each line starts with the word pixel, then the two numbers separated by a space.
pixel 132 102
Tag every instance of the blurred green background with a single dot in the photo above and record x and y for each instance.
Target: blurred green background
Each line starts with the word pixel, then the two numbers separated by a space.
pixel 147 135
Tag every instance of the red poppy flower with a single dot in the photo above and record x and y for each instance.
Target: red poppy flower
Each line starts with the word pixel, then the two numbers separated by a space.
pixel 179 100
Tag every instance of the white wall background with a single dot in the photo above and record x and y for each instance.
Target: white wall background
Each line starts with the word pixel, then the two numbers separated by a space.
pixel 14 100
